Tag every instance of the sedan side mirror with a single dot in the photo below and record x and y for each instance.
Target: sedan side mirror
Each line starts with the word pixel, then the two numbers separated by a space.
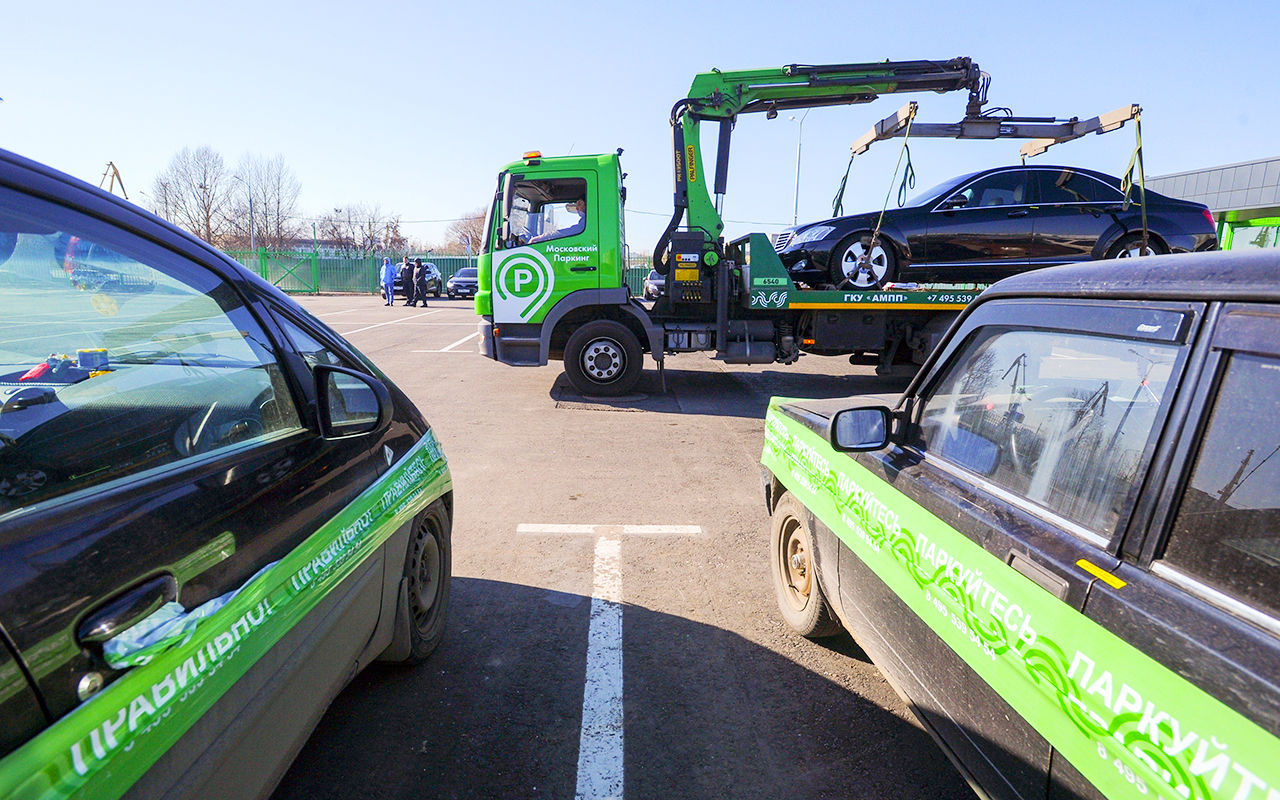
pixel 855 430
pixel 954 201
pixel 351 403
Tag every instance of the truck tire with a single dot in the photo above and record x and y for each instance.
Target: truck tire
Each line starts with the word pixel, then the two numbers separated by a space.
pixel 795 574
pixel 846 257
pixel 603 358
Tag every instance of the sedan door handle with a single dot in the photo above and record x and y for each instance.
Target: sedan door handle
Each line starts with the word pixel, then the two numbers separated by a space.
pixel 582 269
pixel 1020 213
pixel 127 609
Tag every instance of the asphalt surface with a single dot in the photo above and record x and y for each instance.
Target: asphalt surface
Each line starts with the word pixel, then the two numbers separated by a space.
pixel 719 697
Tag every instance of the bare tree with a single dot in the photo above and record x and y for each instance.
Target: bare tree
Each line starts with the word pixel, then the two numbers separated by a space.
pixel 467 232
pixel 359 230
pixel 194 193
pixel 274 189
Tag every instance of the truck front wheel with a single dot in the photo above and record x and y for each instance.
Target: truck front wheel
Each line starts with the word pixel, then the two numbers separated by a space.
pixel 603 358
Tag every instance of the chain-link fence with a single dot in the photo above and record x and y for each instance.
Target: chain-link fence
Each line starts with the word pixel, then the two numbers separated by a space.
pixel 312 273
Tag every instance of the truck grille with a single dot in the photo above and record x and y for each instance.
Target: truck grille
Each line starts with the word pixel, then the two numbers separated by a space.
pixel 780 243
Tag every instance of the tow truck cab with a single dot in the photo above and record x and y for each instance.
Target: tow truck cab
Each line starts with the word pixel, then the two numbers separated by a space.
pixel 541 260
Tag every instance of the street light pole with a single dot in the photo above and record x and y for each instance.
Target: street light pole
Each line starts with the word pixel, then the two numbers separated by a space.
pixel 795 210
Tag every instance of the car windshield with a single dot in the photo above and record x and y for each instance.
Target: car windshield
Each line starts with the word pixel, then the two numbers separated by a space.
pixel 654 276
pixel 935 192
pixel 466 272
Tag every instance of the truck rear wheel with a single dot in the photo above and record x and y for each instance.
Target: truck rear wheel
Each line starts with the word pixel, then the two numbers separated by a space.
pixel 603 358
pixel 795 572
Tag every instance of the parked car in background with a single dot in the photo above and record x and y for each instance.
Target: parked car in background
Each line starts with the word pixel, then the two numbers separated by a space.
pixel 1062 543
pixel 213 510
pixel 434 283
pixel 654 285
pixel 986 225
pixel 464 283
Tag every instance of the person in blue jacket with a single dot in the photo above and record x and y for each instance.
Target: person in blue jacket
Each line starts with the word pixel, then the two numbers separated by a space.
pixel 388 281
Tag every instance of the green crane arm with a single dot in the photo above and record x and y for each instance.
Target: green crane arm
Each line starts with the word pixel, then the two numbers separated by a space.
pixel 721 96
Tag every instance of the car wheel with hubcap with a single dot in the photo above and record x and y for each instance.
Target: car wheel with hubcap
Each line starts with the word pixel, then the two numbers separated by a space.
pixel 856 265
pixel 603 358
pixel 795 575
pixel 1131 247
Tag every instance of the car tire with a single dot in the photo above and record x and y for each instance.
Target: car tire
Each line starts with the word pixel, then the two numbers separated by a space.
pixel 603 358
pixel 1130 246
pixel 428 569
pixel 801 600
pixel 845 258
pixel 436 294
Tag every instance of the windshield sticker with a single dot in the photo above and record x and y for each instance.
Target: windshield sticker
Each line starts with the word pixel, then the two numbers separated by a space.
pixel 1129 724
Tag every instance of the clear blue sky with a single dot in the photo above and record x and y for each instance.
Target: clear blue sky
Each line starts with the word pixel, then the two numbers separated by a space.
pixel 415 106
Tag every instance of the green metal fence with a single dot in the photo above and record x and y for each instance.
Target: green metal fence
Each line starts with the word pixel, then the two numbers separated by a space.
pixel 312 273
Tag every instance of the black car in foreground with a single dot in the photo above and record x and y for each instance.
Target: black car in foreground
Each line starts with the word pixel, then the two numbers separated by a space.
pixel 1062 543
pixel 213 510
pixel 986 225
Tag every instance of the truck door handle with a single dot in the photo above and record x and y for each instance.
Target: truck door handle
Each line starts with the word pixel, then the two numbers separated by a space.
pixel 582 269
pixel 127 609
pixel 1020 213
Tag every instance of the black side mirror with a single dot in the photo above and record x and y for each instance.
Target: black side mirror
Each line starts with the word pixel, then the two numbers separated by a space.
pixel 351 403
pixel 854 430
pixel 955 201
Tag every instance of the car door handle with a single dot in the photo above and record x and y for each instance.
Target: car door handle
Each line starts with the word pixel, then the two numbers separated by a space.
pixel 582 269
pixel 1018 213
pixel 1052 583
pixel 127 609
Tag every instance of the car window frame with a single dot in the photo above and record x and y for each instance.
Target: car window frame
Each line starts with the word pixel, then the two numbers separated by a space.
pixel 153 250
pixel 1222 339
pixel 1109 319
pixel 1032 188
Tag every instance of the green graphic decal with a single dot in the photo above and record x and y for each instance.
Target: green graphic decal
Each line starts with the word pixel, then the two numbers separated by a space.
pixel 100 749
pixel 1130 725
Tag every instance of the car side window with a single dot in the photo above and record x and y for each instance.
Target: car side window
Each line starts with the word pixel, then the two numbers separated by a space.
pixel 1227 529
pixel 1071 186
pixel 1001 189
pixel 312 350
pixel 1059 418
pixel 118 357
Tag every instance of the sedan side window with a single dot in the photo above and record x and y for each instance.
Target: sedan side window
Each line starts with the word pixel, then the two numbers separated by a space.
pixel 1001 189
pixel 1070 186
pixel 1061 419
pixel 119 357
pixel 1227 531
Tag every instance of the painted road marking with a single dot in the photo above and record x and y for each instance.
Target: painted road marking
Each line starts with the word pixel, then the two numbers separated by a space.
pixel 336 313
pixel 600 747
pixel 449 349
pixel 609 530
pixel 391 322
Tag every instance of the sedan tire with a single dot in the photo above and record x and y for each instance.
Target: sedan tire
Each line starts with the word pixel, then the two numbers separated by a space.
pixel 1131 247
pixel 795 574
pixel 847 268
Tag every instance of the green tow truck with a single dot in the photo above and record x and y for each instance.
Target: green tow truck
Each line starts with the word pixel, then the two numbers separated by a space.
pixel 554 291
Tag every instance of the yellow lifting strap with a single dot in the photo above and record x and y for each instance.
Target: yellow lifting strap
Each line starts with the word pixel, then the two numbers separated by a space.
pixel 909 174
pixel 1126 183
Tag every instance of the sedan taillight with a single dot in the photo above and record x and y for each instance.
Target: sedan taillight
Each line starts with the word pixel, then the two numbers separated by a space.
pixel 1208 215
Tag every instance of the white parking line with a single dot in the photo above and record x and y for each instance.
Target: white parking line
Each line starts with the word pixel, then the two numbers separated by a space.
pixel 390 322
pixel 608 530
pixel 450 349
pixel 600 747
pixel 336 313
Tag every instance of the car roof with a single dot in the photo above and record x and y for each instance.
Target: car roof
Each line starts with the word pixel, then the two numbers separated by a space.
pixel 1207 276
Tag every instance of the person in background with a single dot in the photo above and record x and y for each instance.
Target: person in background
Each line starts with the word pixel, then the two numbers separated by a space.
pixel 420 275
pixel 406 281
pixel 388 281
